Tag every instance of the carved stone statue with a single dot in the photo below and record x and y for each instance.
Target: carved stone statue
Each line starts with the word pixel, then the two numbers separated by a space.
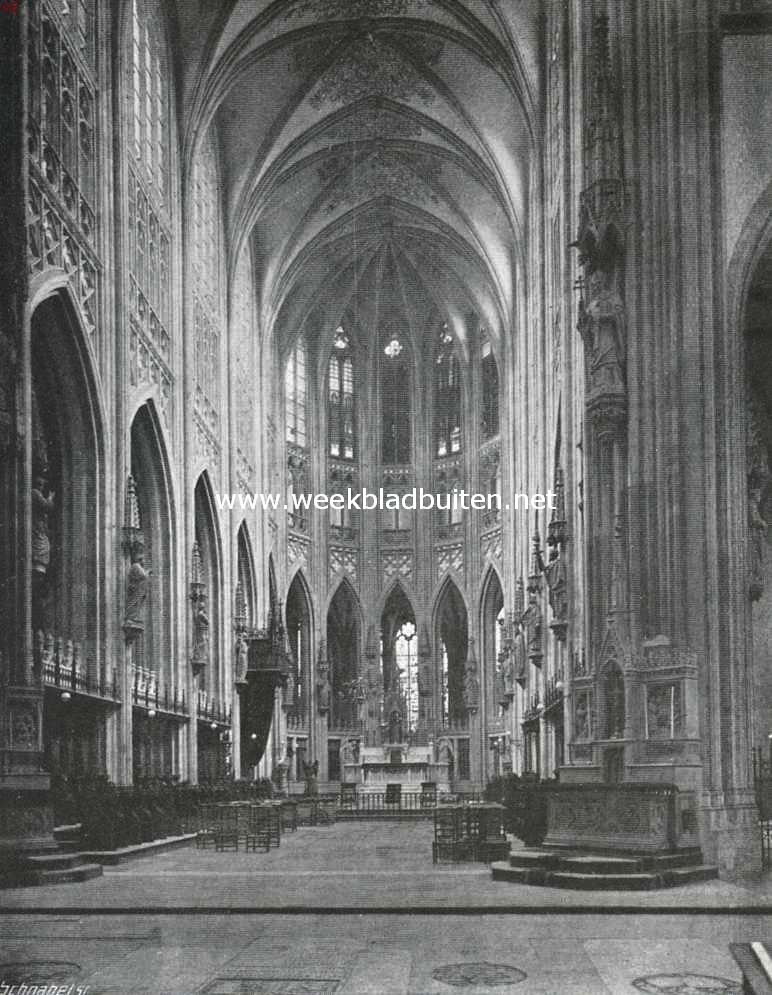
pixel 349 751
pixel 444 751
pixel 137 585
pixel 42 506
pixel 200 632
pixel 242 658
pixel 323 692
pixel 311 775
pixel 395 726
pixel 471 689
pixel 582 718
pixel 602 327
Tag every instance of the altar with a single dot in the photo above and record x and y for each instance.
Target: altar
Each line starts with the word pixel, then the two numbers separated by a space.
pixel 398 763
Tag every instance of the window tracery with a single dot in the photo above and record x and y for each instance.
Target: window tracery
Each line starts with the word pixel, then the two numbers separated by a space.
pixel 490 390
pixel 340 398
pixel 295 396
pixel 396 416
pixel 447 397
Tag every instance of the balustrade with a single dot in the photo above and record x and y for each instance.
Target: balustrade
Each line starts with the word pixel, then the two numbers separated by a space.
pixel 60 664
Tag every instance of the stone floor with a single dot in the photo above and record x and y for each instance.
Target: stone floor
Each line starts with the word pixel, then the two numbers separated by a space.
pixel 359 908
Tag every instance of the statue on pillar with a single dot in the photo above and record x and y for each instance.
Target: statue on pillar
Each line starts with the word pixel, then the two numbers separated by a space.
pixel 42 506
pixel 200 632
pixel 241 652
pixel 311 776
pixel 137 585
pixel 323 688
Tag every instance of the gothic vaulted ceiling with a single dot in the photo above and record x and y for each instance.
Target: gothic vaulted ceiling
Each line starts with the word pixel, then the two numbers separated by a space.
pixel 375 150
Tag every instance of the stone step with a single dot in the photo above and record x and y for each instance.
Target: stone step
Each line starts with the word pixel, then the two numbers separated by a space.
pixel 554 877
pixel 25 877
pixel 139 849
pixel 54 861
pixel 68 837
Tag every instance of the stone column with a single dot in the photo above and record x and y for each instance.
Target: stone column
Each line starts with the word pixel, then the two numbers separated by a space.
pixel 26 817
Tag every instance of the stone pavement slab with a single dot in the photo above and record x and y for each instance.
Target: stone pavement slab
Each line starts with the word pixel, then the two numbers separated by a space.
pixel 365 866
pixel 258 954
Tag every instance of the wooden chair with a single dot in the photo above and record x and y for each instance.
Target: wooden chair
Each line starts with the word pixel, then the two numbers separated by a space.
pixel 305 809
pixel 206 823
pixel 325 811
pixel 259 831
pixel 289 815
pixel 448 835
pixel 227 828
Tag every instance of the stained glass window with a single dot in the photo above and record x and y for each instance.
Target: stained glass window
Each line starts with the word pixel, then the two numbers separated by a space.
pixel 396 419
pixel 295 396
pixel 447 397
pixel 341 397
pixel 490 391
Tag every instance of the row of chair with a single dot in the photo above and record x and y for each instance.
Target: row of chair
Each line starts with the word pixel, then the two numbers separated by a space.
pixel 258 825
pixel 469 832
pixel 227 826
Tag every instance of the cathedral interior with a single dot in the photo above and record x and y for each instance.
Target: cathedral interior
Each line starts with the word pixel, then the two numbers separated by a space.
pixel 256 250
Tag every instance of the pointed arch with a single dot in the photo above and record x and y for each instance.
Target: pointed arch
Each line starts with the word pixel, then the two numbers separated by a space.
pixel 344 638
pixel 245 576
pixel 491 621
pixel 451 641
pixel 298 613
pixel 150 471
pixel 399 664
pixel 68 496
pixel 395 589
pixel 274 606
pixel 207 537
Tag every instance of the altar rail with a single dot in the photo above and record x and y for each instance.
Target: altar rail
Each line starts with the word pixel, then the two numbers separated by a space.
pixel 383 803
pixel 649 817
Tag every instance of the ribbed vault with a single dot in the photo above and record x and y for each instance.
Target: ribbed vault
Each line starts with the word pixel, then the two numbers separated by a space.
pixel 369 141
